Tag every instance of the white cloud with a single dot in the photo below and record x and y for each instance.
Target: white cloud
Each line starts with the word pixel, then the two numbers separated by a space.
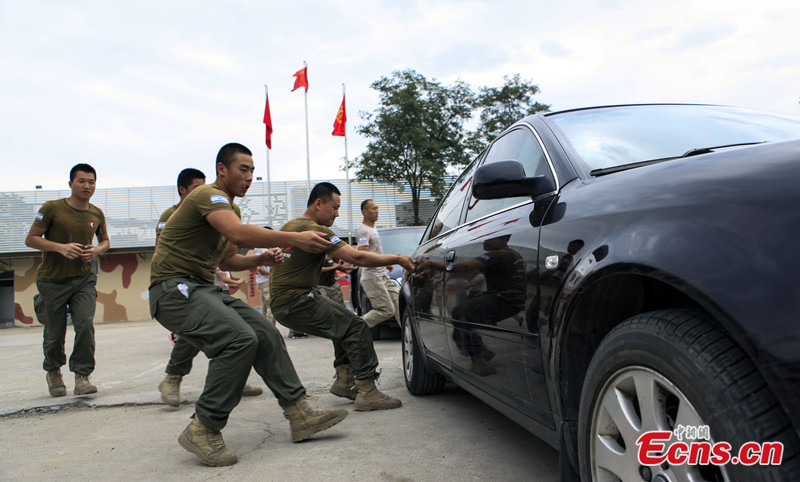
pixel 144 89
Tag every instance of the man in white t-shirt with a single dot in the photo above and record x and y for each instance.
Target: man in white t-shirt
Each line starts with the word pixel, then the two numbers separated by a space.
pixel 380 289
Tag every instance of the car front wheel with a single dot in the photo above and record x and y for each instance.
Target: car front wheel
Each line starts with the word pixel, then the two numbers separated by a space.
pixel 419 379
pixel 674 371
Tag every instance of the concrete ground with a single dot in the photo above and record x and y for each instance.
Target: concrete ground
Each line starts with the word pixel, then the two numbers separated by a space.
pixel 125 432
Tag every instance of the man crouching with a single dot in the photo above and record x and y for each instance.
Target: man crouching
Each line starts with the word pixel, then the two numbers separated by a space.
pixel 297 303
pixel 202 234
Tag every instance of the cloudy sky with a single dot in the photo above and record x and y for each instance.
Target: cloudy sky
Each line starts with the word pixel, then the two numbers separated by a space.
pixel 142 89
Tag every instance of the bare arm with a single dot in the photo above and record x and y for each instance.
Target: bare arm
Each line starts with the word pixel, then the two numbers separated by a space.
pixel 91 252
pixel 229 225
pixel 366 258
pixel 233 261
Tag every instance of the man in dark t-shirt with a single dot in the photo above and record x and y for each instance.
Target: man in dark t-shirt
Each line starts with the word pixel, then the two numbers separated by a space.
pixel 298 304
pixel 183 352
pixel 202 234
pixel 64 230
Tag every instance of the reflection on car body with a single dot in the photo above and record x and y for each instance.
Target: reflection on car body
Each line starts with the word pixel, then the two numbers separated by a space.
pixel 599 273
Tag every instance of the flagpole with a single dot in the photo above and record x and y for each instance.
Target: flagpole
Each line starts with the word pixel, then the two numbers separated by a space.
pixel 347 175
pixel 269 183
pixel 308 155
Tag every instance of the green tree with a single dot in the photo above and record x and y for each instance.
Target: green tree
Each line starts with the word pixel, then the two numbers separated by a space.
pixel 415 133
pixel 501 107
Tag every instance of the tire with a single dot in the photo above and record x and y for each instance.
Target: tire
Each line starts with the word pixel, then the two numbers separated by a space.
pixel 419 379
pixel 658 370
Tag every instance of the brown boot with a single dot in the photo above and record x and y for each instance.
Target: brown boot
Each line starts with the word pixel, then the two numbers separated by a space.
pixel 305 421
pixel 207 445
pixel 251 391
pixel 55 383
pixel 170 388
pixel 83 386
pixel 344 385
pixel 370 398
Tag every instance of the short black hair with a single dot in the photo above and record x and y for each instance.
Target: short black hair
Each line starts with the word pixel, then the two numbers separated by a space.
pixel 187 177
pixel 228 152
pixel 364 204
pixel 324 191
pixel 83 168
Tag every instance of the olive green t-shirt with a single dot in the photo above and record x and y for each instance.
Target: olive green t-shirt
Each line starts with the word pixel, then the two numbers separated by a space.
pixel 65 224
pixel 190 247
pixel 328 278
pixel 162 221
pixel 300 269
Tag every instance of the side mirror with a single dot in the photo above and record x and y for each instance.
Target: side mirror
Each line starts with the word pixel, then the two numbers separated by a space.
pixel 503 179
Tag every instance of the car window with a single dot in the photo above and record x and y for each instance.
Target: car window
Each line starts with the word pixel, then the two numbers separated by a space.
pixel 518 145
pixel 449 212
pixel 615 136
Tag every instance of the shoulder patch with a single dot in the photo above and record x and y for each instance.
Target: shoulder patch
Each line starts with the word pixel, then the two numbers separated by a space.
pixel 362 239
pixel 161 225
pixel 335 239
pixel 219 199
pixel 39 216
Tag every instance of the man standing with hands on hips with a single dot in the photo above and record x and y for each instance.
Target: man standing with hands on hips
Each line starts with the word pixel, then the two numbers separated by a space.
pixel 64 230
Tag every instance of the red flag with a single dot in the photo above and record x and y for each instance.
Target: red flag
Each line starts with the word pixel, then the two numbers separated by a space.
pixel 301 80
pixel 268 123
pixel 341 119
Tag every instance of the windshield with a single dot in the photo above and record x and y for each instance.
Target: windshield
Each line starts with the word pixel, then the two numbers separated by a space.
pixel 401 241
pixel 615 136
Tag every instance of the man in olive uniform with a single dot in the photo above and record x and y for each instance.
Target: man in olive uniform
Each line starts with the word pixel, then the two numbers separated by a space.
pixel 202 234
pixel 298 304
pixel 64 230
pixel 328 284
pixel 183 352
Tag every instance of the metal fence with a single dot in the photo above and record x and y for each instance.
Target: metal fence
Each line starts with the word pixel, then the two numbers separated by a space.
pixel 132 213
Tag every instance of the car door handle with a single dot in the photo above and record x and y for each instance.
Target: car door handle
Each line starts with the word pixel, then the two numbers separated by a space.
pixel 449 258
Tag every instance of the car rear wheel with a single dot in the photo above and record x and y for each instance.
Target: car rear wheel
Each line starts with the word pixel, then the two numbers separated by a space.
pixel 419 379
pixel 674 371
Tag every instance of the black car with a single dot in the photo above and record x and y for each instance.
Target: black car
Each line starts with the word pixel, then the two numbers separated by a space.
pixel 400 240
pixel 608 275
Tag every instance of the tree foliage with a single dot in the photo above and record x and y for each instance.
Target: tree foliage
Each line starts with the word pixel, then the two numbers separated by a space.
pixel 416 132
pixel 418 129
pixel 501 107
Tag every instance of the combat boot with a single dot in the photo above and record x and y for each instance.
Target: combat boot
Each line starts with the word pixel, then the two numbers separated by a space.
pixel 344 385
pixel 305 420
pixel 479 366
pixel 370 398
pixel 251 391
pixel 170 388
pixel 206 444
pixel 83 386
pixel 55 383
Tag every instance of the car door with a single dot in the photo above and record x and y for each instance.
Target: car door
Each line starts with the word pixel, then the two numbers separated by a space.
pixel 428 282
pixel 492 287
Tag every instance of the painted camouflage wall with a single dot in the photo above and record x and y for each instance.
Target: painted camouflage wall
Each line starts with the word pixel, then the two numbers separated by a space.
pixel 122 283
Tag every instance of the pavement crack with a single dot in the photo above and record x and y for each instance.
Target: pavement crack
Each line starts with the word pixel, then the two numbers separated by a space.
pixel 76 405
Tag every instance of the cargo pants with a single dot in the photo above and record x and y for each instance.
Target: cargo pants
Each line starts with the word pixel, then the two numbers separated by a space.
pixel 234 336
pixel 51 311
pixel 384 296
pixel 317 315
